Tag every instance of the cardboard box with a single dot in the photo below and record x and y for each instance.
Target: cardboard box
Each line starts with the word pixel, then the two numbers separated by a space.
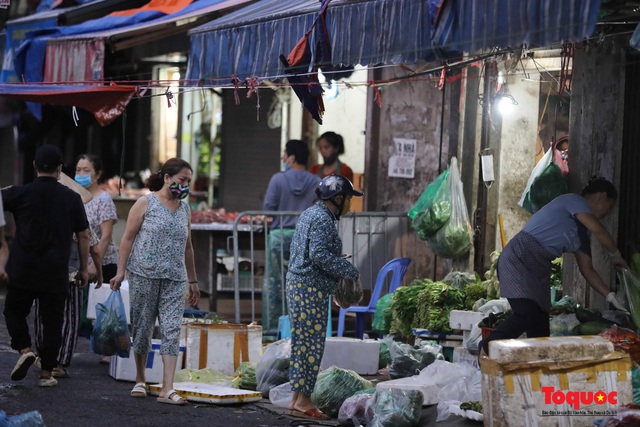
pixel 222 346
pixel 101 294
pixel 570 385
pixel 361 356
pixel 124 369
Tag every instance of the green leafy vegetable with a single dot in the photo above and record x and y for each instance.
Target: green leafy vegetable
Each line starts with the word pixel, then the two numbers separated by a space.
pixel 334 386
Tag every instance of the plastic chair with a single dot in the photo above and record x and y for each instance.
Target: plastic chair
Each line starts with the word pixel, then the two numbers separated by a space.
pixel 398 267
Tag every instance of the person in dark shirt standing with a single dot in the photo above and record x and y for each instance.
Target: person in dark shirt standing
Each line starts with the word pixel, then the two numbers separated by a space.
pixel 47 214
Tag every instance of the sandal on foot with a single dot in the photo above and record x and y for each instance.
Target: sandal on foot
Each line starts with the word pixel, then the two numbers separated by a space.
pixel 311 413
pixel 22 366
pixel 47 382
pixel 60 372
pixel 172 398
pixel 139 390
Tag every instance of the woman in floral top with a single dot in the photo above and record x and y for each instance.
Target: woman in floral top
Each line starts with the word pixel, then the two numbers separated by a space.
pixel 315 269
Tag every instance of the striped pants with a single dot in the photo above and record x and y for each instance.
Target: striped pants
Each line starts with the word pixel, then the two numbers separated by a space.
pixel 70 325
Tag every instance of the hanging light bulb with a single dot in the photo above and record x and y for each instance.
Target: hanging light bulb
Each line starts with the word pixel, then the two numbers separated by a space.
pixel 505 105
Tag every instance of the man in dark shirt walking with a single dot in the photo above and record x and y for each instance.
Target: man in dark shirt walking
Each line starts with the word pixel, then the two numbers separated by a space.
pixel 47 214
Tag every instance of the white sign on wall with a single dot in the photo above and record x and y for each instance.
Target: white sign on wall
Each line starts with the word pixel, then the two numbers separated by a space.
pixel 4 4
pixel 403 163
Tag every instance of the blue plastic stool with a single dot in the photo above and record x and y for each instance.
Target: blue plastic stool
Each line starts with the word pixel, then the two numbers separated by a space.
pixel 284 327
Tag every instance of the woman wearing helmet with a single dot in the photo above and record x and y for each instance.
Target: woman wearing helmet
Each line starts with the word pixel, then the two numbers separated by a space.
pixel 315 268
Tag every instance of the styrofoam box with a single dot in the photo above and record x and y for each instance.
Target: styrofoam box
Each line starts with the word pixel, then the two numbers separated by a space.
pixel 515 393
pixel 361 356
pixel 210 393
pixel 553 348
pixel 222 346
pixel 124 369
pixel 101 294
pixel 464 320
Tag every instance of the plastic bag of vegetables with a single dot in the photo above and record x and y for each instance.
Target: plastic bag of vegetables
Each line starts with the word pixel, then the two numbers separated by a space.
pixel 408 360
pixel 382 317
pixel 334 386
pixel 348 293
pixel 433 208
pixel 273 368
pixel 395 407
pixel 245 376
pixel 453 240
pixel 110 335
pixel 547 186
pixel 354 407
pixel 631 285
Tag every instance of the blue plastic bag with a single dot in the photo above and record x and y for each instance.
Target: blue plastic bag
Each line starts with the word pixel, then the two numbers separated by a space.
pixel 110 336
pixel 29 419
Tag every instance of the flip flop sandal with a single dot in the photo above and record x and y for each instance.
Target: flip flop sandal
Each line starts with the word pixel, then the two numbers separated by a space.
pixel 139 390
pixel 22 366
pixel 172 398
pixel 314 413
pixel 47 382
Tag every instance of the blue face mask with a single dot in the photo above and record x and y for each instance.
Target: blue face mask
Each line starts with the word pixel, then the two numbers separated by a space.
pixel 285 167
pixel 84 180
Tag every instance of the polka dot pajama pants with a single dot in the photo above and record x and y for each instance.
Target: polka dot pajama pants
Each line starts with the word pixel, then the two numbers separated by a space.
pixel 151 298
pixel 308 313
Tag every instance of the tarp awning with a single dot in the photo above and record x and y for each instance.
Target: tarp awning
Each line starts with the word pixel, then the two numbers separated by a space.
pixel 17 29
pixel 465 26
pixel 106 103
pixel 248 43
pixel 81 57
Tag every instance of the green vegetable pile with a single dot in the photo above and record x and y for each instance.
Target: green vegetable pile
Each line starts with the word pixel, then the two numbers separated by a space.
pixel 452 241
pixel 426 304
pixel 471 406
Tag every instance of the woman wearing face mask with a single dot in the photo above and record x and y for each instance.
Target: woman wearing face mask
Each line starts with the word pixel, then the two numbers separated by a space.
pixel 102 216
pixel 315 269
pixel 157 254
pixel 331 145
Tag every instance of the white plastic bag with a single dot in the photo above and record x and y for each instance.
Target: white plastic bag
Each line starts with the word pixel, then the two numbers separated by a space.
pixel 537 170
pixel 281 395
pixel 273 367
pixel 353 409
pixel 465 389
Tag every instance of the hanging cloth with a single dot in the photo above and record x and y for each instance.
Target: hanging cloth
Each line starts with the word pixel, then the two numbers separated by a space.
pixel 301 60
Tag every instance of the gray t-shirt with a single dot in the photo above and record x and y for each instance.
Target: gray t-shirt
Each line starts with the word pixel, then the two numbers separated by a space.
pixel 556 228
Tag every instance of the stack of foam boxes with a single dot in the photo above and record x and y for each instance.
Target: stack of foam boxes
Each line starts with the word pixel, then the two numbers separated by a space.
pixel 464 321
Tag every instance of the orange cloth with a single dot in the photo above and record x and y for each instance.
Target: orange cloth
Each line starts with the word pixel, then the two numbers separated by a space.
pixel 164 6
pixel 344 171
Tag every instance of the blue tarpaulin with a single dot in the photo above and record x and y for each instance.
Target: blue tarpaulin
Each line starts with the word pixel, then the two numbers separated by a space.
pixel 247 43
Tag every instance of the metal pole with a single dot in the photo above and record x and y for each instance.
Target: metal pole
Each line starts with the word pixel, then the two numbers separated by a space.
pixel 490 85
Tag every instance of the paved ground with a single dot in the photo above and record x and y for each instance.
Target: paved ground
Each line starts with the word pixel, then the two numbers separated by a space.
pixel 92 398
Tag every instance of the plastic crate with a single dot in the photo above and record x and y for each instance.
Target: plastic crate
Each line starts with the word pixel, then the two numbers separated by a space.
pixel 225 282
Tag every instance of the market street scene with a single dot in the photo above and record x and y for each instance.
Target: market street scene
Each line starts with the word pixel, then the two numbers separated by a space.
pixel 378 213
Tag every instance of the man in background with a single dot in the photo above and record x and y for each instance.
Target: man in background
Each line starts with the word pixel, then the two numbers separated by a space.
pixel 47 214
pixel 293 189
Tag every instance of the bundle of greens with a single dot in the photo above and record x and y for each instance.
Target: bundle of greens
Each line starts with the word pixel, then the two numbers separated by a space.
pixel 435 303
pixel 475 292
pixel 404 305
pixel 334 386
pixel 452 241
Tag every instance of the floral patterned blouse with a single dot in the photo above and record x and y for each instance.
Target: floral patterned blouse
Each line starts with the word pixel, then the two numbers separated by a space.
pixel 158 251
pixel 315 251
pixel 101 209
